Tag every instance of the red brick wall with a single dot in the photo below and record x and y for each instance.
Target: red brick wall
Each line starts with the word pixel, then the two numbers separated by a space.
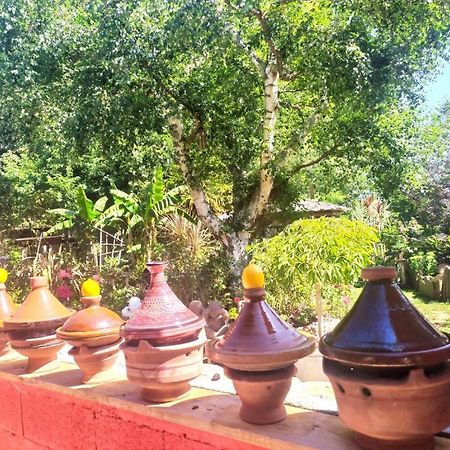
pixel 35 418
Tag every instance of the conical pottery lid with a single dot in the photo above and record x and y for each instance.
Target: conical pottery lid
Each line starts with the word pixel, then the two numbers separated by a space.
pixel 384 329
pixel 93 320
pixel 7 306
pixel 39 308
pixel 162 318
pixel 259 340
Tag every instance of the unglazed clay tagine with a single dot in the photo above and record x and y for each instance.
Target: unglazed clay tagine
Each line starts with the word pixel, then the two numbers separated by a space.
pixel 162 318
pixel 259 353
pixel 385 353
pixel 94 334
pixel 32 329
pixel 163 342
pixel 7 309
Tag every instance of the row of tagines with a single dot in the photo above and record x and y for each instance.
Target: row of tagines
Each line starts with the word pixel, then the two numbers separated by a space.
pixel 387 364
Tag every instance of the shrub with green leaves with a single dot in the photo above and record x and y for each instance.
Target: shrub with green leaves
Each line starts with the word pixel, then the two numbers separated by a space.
pixel 325 252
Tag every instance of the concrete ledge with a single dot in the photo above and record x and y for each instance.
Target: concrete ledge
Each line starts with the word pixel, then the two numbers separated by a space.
pixel 53 411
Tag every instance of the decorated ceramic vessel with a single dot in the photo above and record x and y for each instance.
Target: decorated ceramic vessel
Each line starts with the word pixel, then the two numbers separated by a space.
pixel 94 334
pixel 32 328
pixel 7 309
pixel 162 318
pixel 388 367
pixel 163 342
pixel 259 353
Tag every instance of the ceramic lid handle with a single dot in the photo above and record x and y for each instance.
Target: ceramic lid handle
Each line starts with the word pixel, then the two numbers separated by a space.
pixel 379 273
pixel 255 295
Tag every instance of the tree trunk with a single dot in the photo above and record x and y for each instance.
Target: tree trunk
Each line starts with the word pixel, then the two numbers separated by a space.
pixel 238 257
pixel 271 98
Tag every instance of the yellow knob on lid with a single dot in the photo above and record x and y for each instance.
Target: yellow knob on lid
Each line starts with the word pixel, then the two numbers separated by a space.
pixel 90 288
pixel 252 277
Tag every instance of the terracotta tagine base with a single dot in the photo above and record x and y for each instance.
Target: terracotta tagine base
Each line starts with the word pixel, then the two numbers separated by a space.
pixel 97 363
pixel 164 372
pixel 41 353
pixel 400 410
pixel 5 348
pixel 262 394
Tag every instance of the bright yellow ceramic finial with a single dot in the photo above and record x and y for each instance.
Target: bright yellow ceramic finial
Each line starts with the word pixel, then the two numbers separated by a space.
pixel 253 277
pixel 90 288
pixel 3 275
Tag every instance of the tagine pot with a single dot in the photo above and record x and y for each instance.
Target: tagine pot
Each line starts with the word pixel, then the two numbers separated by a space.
pixel 389 369
pixel 163 342
pixel 94 334
pixel 32 328
pixel 259 353
pixel 7 309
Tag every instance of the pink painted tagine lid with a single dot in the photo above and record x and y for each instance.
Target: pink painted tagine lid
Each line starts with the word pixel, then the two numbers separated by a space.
pixel 40 309
pixel 383 329
pixel 162 319
pixel 259 340
pixel 7 306
pixel 92 321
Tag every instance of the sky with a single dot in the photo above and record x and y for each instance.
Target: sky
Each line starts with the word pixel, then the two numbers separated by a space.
pixel 438 90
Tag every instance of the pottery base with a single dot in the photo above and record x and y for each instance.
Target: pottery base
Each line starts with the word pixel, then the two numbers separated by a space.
pixel 4 344
pixel 164 372
pixel 370 443
pixel 96 363
pixel 165 392
pixel 262 393
pixel 398 410
pixel 41 358
pixel 5 349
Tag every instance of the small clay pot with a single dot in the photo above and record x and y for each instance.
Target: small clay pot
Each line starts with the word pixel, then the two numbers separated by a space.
pixel 41 352
pixel 7 309
pixel 262 393
pixel 258 354
pixel 163 342
pixel 388 368
pixel 164 372
pixel 94 334
pixel 31 329
pixel 96 363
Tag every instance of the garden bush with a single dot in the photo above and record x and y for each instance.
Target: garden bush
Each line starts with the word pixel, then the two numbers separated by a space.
pixel 324 252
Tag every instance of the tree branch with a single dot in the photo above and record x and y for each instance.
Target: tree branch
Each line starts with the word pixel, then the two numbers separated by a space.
pixel 300 166
pixel 313 119
pixel 202 207
pixel 235 35
pixel 285 74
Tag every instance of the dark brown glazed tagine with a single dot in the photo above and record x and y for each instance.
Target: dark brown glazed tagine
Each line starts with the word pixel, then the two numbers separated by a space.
pixel 7 309
pixel 388 367
pixel 258 354
pixel 163 342
pixel 94 334
pixel 32 329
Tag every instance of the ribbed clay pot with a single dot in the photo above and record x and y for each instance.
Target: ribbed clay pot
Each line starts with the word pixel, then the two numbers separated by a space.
pixel 259 353
pixel 32 329
pixel 94 334
pixel 164 371
pixel 7 309
pixel 388 368
pixel 163 342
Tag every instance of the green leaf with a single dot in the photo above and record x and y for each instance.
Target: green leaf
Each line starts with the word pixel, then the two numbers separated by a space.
pixel 99 205
pixel 85 206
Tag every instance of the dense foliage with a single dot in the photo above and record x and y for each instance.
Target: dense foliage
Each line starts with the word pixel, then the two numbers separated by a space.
pixel 328 252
